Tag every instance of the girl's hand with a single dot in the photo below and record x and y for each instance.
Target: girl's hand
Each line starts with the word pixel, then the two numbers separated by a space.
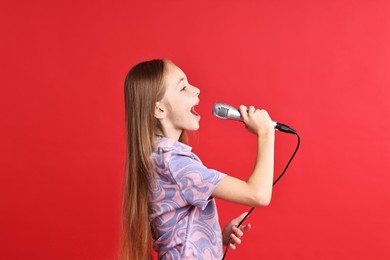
pixel 257 121
pixel 231 231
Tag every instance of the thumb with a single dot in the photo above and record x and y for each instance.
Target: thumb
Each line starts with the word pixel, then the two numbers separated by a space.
pixel 242 215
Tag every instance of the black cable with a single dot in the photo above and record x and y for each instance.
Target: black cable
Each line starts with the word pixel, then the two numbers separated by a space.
pixel 280 176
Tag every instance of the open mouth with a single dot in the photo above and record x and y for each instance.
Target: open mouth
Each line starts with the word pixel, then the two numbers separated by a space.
pixel 193 111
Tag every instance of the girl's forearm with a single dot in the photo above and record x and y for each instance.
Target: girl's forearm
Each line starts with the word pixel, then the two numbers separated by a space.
pixel 261 179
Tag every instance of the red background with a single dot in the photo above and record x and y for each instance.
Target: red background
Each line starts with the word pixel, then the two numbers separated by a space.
pixel 319 66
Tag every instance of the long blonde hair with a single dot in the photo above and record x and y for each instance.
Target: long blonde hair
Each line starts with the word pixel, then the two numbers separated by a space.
pixel 144 86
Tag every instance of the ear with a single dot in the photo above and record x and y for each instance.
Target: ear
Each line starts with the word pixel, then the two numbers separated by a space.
pixel 159 110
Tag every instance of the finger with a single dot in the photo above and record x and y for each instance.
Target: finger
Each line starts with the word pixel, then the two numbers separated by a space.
pixel 232 246
pixel 235 239
pixel 243 108
pixel 244 112
pixel 237 231
pixel 246 227
pixel 252 109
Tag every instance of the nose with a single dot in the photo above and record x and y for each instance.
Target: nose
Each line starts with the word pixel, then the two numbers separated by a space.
pixel 196 91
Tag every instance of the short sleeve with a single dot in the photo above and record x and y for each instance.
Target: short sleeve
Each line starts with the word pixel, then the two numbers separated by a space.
pixel 195 181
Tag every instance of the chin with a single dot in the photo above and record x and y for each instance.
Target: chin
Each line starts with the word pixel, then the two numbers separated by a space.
pixel 194 128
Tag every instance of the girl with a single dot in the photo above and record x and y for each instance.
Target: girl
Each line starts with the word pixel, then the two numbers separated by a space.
pixel 169 194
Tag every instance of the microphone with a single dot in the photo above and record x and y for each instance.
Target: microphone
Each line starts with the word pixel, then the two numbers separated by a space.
pixel 227 112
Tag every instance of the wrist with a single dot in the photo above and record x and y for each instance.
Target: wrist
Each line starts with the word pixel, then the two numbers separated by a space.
pixel 266 134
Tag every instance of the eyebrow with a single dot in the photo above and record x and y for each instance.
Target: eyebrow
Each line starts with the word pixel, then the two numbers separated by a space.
pixel 180 81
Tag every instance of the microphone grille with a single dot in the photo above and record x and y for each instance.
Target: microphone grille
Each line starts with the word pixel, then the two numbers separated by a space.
pixel 222 112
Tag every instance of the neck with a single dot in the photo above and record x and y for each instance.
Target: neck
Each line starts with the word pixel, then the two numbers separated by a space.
pixel 169 134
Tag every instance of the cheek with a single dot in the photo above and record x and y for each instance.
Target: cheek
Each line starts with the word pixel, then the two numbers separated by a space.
pixel 177 114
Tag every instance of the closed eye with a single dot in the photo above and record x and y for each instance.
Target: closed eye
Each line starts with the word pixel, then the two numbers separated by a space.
pixel 184 88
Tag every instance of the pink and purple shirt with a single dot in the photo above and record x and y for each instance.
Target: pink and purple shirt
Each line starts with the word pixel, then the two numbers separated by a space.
pixel 183 215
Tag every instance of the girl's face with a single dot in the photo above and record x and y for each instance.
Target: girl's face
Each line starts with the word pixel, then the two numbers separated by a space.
pixel 178 103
